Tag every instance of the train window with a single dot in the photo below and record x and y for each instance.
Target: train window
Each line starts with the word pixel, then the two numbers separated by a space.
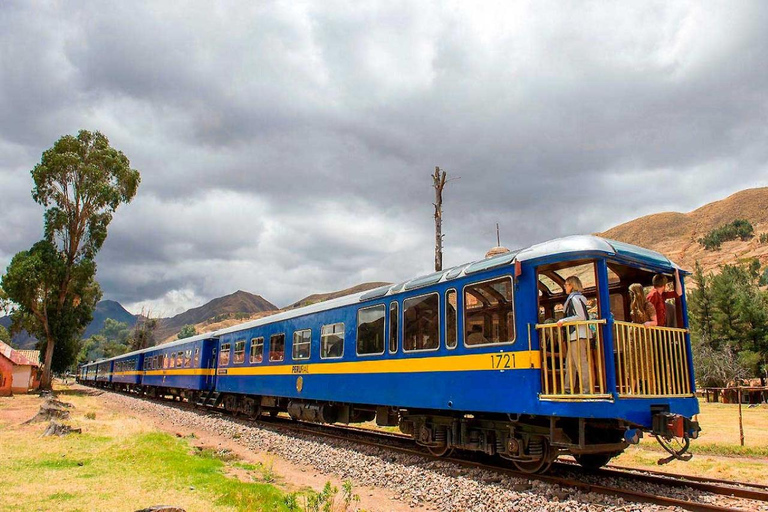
pixel 187 359
pixel 239 356
pixel 332 341
pixel 302 343
pixel 196 360
pixel 393 329
pixel 421 323
pixel 224 355
pixel 172 363
pixel 257 350
pixel 179 359
pixel 450 319
pixel 370 330
pixel 489 312
pixel 157 362
pixel 277 347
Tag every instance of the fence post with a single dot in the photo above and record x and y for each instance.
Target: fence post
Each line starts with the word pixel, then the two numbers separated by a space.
pixel 741 420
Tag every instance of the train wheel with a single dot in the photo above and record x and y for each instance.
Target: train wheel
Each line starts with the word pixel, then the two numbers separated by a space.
pixel 541 465
pixel 441 451
pixel 593 460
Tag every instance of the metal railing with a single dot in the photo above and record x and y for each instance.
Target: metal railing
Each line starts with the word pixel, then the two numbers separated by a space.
pixel 573 360
pixel 650 361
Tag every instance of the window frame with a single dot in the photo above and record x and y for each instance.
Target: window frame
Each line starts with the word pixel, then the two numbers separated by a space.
pixel 188 358
pixel 294 345
pixel 456 340
pixel 196 358
pixel 282 359
pixel 234 352
pixel 357 331
pixel 464 312
pixel 221 351
pixel 343 339
pixel 402 328
pixel 172 362
pixel 396 330
pixel 250 351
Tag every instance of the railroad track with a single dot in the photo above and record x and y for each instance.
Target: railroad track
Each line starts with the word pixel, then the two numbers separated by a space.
pixel 757 494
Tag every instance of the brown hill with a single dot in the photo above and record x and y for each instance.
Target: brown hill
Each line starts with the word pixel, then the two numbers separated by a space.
pixel 236 307
pixel 676 234
pixel 320 297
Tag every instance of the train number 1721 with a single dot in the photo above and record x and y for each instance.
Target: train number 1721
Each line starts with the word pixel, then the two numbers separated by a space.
pixel 502 361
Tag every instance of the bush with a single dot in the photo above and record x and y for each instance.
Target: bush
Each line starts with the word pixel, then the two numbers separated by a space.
pixel 763 238
pixel 739 228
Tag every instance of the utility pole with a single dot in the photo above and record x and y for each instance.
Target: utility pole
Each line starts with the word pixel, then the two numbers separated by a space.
pixel 438 180
pixel 498 238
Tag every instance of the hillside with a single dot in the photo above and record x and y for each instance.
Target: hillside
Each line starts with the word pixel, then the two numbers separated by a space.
pixel 320 297
pixel 108 309
pixel 675 234
pixel 237 306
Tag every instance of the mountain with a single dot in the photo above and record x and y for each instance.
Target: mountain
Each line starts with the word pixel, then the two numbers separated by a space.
pixel 676 234
pixel 320 297
pixel 239 306
pixel 108 309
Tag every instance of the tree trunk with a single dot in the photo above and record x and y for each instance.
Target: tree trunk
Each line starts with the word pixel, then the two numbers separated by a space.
pixel 47 379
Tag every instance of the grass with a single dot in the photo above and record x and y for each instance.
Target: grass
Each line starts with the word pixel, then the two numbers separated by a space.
pixel 118 463
pixel 717 452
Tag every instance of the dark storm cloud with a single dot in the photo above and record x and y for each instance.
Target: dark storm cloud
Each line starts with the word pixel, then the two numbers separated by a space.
pixel 286 148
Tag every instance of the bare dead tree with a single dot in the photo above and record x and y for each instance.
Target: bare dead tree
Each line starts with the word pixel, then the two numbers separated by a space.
pixel 438 180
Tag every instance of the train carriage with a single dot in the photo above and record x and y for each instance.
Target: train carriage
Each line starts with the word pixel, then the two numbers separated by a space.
pixel 471 358
pixel 103 375
pixel 182 368
pixel 127 371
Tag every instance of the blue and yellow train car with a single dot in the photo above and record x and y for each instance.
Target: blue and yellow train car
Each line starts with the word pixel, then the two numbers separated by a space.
pixel 181 368
pixel 127 371
pixel 473 358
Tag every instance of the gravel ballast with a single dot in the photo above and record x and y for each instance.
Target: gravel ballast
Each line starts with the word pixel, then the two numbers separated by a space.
pixel 417 481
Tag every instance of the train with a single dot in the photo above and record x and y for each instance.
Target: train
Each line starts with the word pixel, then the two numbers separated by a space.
pixel 468 358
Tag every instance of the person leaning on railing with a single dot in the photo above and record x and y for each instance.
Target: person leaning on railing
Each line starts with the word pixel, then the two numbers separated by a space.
pixel 659 294
pixel 642 312
pixel 575 309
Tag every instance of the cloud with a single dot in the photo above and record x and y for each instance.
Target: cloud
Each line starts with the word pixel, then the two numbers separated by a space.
pixel 285 148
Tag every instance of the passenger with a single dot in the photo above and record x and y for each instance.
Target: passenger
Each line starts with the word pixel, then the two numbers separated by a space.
pixel 641 309
pixel 575 309
pixel 641 312
pixel 659 294
pixel 475 336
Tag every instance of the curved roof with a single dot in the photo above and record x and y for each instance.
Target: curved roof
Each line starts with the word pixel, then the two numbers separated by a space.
pixel 560 246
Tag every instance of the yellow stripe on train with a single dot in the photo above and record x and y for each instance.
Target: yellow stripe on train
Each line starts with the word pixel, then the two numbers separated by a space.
pixel 500 361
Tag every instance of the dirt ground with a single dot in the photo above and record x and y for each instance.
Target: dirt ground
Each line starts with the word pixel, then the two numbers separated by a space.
pixel 289 477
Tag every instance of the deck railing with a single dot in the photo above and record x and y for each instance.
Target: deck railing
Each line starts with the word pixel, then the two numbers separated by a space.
pixel 580 375
pixel 650 361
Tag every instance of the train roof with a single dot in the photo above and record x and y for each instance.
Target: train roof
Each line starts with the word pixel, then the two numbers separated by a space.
pixel 560 246
pixel 569 245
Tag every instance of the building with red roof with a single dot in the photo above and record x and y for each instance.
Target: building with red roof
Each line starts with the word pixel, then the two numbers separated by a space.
pixel 19 373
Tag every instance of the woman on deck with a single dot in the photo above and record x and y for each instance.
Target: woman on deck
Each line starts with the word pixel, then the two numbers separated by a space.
pixel 575 310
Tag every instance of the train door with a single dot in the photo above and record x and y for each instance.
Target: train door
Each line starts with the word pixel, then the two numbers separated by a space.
pixel 212 364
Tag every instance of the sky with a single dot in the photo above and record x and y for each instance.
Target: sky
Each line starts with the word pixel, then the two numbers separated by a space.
pixel 286 148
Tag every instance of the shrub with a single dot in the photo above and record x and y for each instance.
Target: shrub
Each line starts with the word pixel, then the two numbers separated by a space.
pixel 763 238
pixel 739 228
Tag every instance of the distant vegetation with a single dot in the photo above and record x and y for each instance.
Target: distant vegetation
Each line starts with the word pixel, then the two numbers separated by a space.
pixel 763 238
pixel 729 323
pixel 738 229
pixel 187 332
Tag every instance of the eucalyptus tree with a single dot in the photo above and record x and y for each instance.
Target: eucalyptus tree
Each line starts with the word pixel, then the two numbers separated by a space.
pixel 80 181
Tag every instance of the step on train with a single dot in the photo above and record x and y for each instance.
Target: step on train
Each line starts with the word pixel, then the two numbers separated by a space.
pixel 469 358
